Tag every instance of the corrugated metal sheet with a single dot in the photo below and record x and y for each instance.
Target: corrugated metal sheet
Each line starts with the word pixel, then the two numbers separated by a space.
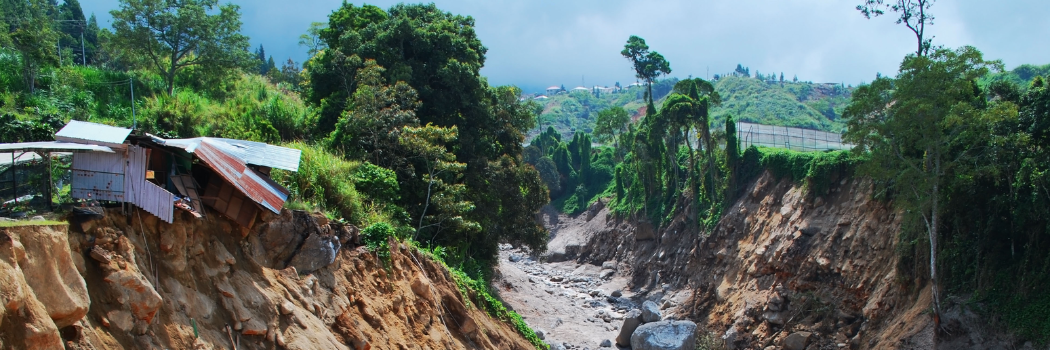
pixel 120 177
pixel 98 176
pixel 255 153
pixel 97 186
pixel 91 133
pixel 156 201
pixel 135 171
pixel 234 170
pixel 52 146
pixel 99 162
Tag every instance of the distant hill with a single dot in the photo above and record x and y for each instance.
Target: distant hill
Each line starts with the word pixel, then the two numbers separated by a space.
pixel 797 104
pixel 1021 76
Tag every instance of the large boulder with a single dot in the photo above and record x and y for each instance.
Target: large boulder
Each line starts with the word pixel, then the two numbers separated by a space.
pixel 298 239
pixel 650 312
pixel 631 321
pixel 49 269
pixel 665 335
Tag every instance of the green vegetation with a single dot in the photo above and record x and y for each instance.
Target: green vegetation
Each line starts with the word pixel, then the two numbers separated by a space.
pixel 413 147
pixel 967 164
pixel 31 223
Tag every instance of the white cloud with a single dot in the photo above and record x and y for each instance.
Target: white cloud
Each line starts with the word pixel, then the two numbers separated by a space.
pixel 538 43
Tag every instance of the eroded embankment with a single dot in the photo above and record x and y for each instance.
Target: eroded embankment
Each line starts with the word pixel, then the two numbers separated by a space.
pixel 780 262
pixel 297 282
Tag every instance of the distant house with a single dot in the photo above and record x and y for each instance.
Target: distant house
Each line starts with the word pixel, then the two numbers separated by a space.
pixel 541 97
pixel 551 91
pixel 158 175
pixel 580 88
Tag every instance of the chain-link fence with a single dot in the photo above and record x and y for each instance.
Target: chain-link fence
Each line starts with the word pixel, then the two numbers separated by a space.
pixel 791 138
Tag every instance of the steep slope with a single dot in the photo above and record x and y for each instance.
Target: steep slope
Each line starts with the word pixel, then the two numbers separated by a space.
pixel 297 282
pixel 781 262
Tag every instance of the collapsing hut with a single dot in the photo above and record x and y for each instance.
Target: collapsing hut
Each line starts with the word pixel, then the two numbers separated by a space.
pixel 159 174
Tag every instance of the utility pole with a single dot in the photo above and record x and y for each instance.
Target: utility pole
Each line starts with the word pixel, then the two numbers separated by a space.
pixel 132 81
pixel 83 54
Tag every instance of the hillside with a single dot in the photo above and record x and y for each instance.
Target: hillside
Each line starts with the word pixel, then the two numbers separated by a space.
pixel 1020 76
pixel 797 104
pixel 108 284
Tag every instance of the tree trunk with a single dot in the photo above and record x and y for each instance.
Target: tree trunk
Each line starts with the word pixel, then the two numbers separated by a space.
pixel 933 240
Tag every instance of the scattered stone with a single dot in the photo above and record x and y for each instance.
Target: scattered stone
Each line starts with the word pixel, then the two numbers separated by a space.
pixel 606 343
pixel 666 305
pixel 606 274
pixel 617 293
pixel 557 278
pixel 630 322
pixel 37 218
pixel 609 265
pixel 514 258
pixel 650 312
pixel 541 334
pixel 665 335
pixel 797 341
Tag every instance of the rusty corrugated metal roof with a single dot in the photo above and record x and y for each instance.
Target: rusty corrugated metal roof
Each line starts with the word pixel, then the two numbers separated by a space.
pixel 234 170
pixel 92 133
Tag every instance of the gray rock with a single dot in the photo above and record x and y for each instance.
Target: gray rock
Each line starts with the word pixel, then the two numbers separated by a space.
pixel 617 293
pixel 606 343
pixel 606 274
pixel 777 318
pixel 37 218
pixel 514 258
pixel 540 334
pixel 609 265
pixel 797 341
pixel 650 312
pixel 665 335
pixel 631 322
pixel 730 338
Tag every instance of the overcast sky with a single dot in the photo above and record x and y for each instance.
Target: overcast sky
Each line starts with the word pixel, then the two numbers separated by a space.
pixel 539 43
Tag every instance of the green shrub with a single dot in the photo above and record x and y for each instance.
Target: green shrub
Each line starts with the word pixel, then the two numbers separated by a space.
pixel 376 238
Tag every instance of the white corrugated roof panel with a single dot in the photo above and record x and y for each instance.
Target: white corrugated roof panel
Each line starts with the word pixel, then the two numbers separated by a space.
pixel 92 133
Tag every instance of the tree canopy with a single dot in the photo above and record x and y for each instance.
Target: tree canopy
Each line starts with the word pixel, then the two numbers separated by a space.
pixel 171 36
pixel 648 65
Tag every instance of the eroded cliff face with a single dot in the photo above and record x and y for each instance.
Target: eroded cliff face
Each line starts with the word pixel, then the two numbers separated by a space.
pixel 297 282
pixel 782 268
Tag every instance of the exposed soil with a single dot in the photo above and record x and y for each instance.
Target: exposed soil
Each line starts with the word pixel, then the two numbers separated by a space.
pixel 296 282
pixel 781 261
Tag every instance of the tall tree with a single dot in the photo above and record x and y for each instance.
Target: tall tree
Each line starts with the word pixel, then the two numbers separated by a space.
pixel 29 28
pixel 648 65
pixel 175 35
pixel 312 39
pixel 914 14
pixel 909 125
pixel 437 54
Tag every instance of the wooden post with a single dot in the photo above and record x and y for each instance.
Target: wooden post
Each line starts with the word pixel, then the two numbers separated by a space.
pixel 50 184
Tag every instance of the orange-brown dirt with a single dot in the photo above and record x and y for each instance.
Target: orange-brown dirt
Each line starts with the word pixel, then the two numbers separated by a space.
pixel 146 284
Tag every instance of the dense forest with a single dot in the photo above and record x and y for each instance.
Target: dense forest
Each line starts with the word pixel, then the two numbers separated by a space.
pixel 403 137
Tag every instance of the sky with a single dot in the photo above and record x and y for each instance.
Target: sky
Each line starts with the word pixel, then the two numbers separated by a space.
pixel 540 43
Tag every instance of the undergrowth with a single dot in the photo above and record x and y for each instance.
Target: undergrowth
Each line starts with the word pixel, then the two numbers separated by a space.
pixel 483 296
pixel 816 170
